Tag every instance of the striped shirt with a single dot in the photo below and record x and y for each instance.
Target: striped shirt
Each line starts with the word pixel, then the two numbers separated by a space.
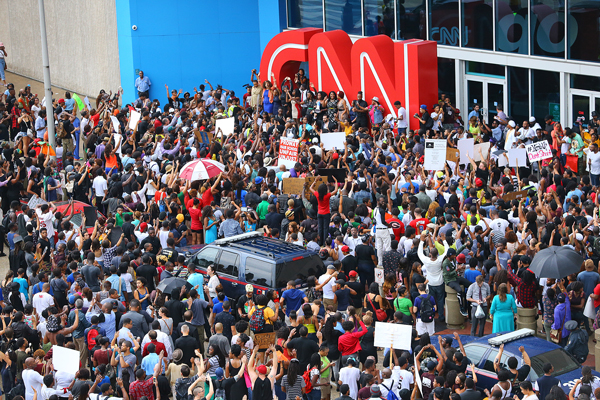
pixel 295 390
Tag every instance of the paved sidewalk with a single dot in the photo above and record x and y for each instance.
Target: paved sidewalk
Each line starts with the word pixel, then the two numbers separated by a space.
pixel 36 86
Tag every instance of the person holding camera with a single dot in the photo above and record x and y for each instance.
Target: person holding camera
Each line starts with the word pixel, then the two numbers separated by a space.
pixel 425 120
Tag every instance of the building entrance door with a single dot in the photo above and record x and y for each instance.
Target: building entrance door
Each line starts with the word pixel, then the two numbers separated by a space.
pixel 487 93
pixel 582 104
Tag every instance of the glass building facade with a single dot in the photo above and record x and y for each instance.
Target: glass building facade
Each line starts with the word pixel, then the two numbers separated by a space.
pixel 531 57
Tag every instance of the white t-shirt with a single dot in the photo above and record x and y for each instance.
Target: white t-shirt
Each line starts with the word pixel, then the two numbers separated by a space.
pixel 436 121
pixel 163 236
pixel 41 301
pixel 350 376
pixel 499 226
pixel 32 379
pixel 99 185
pixel 328 287
pixel 595 160
pixel 402 123
pixel 405 378
pixel 46 221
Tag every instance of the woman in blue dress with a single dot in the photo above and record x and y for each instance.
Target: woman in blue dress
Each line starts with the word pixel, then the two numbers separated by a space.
pixel 268 96
pixel 503 310
pixel 209 221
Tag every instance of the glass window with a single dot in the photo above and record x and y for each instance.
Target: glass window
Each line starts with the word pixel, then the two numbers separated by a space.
pixel 228 263
pixel 345 15
pixel 511 26
pixel 379 17
pixel 479 68
pixel 475 352
pixel 545 87
pixel 299 270
pixel 560 359
pixel 305 13
pixel 443 22
pixel 207 257
pixel 489 361
pixel 584 30
pixel 411 19
pixel 477 19
pixel 447 78
pixel 584 82
pixel 518 94
pixel 259 272
pixel 548 28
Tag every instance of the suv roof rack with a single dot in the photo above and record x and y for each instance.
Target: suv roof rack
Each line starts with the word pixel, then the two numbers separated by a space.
pixel 235 238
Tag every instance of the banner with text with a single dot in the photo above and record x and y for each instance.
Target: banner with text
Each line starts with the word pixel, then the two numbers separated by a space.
pixel 288 152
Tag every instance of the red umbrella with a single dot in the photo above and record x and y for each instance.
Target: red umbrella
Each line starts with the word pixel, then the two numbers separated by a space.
pixel 201 169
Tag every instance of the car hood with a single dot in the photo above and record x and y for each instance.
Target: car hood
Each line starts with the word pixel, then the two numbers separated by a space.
pixel 567 381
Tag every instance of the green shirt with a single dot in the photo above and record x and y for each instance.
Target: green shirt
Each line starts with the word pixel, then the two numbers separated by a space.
pixel 449 267
pixel 181 197
pixel 403 304
pixel 325 362
pixel 262 209
pixel 119 218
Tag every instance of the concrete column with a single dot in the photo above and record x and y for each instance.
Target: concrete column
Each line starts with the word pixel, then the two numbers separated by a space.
pixel 597 350
pixel 526 318
pixel 454 319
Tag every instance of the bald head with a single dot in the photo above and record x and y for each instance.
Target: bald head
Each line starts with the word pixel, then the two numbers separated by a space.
pixel 219 327
pixel 387 373
pixel 46 287
pixel 29 363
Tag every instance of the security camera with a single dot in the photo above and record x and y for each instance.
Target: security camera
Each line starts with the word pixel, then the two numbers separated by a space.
pixel 134 27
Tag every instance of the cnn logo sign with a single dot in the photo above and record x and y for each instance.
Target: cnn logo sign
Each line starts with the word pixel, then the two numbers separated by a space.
pixel 379 67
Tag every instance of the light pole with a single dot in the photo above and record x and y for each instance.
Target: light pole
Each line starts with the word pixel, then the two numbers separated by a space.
pixel 47 85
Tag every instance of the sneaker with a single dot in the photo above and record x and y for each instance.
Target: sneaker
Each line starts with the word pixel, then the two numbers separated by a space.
pixel 464 313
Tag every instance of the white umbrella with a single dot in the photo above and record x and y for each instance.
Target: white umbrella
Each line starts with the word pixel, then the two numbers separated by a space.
pixel 201 169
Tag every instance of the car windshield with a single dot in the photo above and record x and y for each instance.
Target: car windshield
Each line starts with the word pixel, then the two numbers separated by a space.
pixel 560 359
pixel 299 269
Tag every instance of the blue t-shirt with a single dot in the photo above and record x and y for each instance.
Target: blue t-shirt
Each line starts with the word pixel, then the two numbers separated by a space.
pixel 589 279
pixel 419 300
pixel 10 238
pixel 23 286
pixel 471 274
pixel 293 299
pixel 343 299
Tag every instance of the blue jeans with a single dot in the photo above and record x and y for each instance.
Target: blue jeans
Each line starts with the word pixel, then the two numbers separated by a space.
pixel 439 294
pixel 279 393
pixel 595 179
pixel 314 394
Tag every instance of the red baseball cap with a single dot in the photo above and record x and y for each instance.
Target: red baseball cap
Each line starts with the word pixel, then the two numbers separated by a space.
pixel 461 259
pixel 61 100
pixel 345 249
pixel 353 274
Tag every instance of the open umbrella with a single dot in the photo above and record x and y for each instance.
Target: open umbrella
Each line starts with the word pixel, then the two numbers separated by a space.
pixel 167 285
pixel 556 262
pixel 201 169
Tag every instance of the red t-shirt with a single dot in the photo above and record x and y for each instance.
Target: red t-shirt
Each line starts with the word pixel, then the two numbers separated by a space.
pixel 158 196
pixel 323 204
pixel 597 293
pixel 195 215
pixel 397 226
pixel 419 224
pixel 207 197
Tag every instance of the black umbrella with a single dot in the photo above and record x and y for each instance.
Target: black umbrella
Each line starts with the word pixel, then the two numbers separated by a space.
pixel 556 262
pixel 167 285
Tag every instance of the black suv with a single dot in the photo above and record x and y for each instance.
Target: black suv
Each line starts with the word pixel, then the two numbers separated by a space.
pixel 265 263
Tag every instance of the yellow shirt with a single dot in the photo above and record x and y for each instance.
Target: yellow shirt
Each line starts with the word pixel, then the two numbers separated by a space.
pixel 267 312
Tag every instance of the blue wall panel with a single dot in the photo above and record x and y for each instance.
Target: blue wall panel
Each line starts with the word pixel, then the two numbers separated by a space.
pixel 182 43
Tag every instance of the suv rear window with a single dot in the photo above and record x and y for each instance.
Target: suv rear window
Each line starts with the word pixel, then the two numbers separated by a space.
pixel 259 272
pixel 560 359
pixel 299 269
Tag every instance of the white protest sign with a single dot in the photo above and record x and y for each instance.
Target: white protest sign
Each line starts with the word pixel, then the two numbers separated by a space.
pixel 466 147
pixel 65 360
pixel 395 336
pixel 503 159
pixel 288 152
pixel 435 154
pixel 418 377
pixel 333 140
pixel 517 157
pixel 226 124
pixel 133 120
pixel 538 151
pixel 115 124
pixel 379 276
pixel 479 149
pixel 87 103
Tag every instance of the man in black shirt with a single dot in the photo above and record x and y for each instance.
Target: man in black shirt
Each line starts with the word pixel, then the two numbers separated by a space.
pixel 176 307
pixel 44 245
pixel 149 272
pixel 244 302
pixel 128 228
pixel 305 347
pixel 187 344
pixel 361 108
pixel 273 218
pixel 153 240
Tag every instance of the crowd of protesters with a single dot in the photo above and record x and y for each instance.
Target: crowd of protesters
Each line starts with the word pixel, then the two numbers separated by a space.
pixel 82 287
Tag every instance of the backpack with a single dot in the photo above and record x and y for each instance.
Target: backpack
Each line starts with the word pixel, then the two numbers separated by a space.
pixel 307 381
pixel 90 338
pixel 257 320
pixel 219 389
pixel 7 220
pixel 427 312
pixel 391 395
pixel 61 132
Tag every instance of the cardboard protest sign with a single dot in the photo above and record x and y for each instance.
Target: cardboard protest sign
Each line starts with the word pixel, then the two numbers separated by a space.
pixel 467 149
pixel 394 336
pixel 133 120
pixel 288 152
pixel 264 340
pixel 65 360
pixel 538 151
pixel 203 136
pixel 333 140
pixel 484 148
pixel 226 124
pixel 517 157
pixel 514 195
pixel 435 154
pixel 452 154
pixel 293 185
